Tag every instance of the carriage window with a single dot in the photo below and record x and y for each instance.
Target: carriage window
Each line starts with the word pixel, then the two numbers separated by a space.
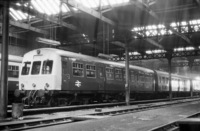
pixel 13 71
pixel 36 67
pixel 109 73
pixel 132 76
pixel 78 69
pixel 47 67
pixel 118 74
pixel 90 71
pixel 26 68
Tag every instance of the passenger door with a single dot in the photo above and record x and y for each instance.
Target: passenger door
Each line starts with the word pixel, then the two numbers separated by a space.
pixel 65 75
pixel 101 77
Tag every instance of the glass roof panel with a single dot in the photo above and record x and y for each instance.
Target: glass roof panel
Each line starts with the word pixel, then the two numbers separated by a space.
pixel 49 7
pixel 19 15
pixel 95 3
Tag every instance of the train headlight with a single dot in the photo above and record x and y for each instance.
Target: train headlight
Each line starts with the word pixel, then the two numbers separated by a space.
pixel 47 85
pixel 22 87
pixel 34 85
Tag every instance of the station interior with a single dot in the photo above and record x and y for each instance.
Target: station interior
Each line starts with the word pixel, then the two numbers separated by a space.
pixel 94 28
pixel 162 35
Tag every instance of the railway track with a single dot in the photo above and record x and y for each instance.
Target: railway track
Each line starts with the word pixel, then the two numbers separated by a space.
pixel 173 126
pixel 28 124
pixel 33 111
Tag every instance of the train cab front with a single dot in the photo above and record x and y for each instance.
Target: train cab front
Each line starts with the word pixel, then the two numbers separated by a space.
pixel 37 79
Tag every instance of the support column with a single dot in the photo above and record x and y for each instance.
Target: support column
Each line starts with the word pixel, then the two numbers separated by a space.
pixel 4 61
pixel 191 61
pixel 127 86
pixel 169 58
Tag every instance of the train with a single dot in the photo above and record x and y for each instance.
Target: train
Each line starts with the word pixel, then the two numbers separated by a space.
pixel 14 65
pixel 55 77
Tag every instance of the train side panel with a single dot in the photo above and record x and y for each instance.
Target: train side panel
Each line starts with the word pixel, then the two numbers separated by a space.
pixel 79 79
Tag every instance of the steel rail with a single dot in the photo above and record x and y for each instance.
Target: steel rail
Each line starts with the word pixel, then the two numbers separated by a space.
pixel 34 111
pixel 29 124
pixel 173 126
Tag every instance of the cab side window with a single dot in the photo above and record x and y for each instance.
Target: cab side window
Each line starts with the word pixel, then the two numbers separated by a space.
pixel 26 68
pixel 47 67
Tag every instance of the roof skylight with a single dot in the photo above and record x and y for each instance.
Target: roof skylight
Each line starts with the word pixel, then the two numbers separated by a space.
pixel 49 7
pixel 19 15
pixel 95 3
pixel 52 7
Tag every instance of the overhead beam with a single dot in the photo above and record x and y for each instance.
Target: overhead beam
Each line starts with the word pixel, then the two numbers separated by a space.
pixel 143 6
pixel 27 26
pixel 117 6
pixel 118 43
pixel 99 16
pixel 197 2
pixel 153 42
pixel 160 55
pixel 93 46
pixel 92 12
pixel 44 17
pixel 14 35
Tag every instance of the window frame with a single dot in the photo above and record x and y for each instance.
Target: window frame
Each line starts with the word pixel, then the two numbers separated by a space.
pixel 78 68
pixel 11 71
pixel 90 70
pixel 118 73
pixel 51 68
pixel 110 72
pixel 33 68
pixel 29 68
pixel 102 71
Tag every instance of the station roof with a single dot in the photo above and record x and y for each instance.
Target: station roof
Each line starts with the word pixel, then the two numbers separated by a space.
pixel 107 26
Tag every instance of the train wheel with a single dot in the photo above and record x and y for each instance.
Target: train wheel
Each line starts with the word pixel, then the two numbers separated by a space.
pixel 63 102
pixel 53 102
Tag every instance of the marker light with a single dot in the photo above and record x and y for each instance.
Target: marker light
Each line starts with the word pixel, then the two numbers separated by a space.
pixel 22 87
pixel 46 86
pixel 34 85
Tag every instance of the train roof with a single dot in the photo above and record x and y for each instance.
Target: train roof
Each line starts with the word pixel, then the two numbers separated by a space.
pixel 173 75
pixel 13 58
pixel 90 58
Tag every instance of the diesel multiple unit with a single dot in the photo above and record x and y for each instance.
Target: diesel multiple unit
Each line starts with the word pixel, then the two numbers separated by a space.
pixel 57 77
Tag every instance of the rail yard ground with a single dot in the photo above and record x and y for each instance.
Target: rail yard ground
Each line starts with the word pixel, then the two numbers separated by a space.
pixel 117 118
